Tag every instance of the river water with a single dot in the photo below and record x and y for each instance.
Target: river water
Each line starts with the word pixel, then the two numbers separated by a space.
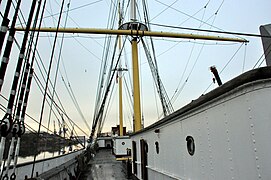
pixel 43 147
pixel 47 154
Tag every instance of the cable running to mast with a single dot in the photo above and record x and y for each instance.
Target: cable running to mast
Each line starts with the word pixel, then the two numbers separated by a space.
pixel 18 126
pixel 47 80
pixel 57 66
pixel 4 25
pixel 9 43
pixel 6 123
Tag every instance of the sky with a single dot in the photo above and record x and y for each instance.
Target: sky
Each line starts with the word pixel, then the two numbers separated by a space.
pixel 183 64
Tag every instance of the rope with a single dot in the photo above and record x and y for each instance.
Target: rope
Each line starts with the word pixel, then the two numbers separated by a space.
pixel 8 47
pixel 6 122
pixel 169 6
pixel 47 81
pixel 177 92
pixel 165 101
pixel 190 16
pixel 102 92
pixel 98 116
pixel 262 56
pixel 57 95
pixel 57 66
pixel 75 8
pixel 225 66
pixel 4 24
pixel 21 123
pixel 60 110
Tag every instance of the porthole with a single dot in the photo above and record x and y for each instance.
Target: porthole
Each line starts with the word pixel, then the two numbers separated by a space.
pixel 123 143
pixel 190 145
pixel 157 147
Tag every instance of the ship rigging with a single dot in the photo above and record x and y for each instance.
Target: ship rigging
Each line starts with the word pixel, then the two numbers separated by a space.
pixel 135 29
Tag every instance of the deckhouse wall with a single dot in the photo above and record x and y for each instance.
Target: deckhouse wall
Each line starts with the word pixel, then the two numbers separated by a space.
pixel 231 134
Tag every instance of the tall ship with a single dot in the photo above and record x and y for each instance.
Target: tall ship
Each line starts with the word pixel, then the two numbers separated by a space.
pixel 150 89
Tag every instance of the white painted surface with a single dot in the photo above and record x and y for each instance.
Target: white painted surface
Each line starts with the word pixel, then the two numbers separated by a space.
pixel 121 144
pixel 101 143
pixel 104 142
pixel 232 139
pixel 43 166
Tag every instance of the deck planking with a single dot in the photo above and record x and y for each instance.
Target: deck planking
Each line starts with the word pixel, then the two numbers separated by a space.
pixel 104 166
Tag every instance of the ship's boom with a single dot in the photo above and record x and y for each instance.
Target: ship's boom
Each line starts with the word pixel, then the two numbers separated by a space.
pixel 137 33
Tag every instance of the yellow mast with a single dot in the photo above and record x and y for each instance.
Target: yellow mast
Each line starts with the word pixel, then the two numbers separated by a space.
pixel 134 29
pixel 136 84
pixel 120 105
pixel 120 82
pixel 136 87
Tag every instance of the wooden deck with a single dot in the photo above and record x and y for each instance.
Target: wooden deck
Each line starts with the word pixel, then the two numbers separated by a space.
pixel 105 167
